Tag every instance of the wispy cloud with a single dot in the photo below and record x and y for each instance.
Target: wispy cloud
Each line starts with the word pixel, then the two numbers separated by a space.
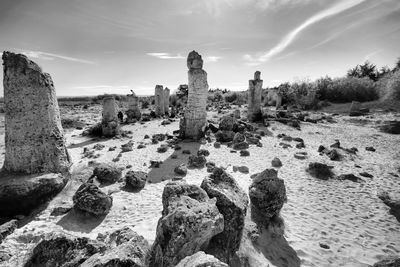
pixel 165 55
pixel 291 36
pixel 51 56
pixel 277 4
pixel 372 54
pixel 212 58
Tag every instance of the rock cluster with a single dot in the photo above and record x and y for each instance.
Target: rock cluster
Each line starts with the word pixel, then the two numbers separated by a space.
pixel 189 220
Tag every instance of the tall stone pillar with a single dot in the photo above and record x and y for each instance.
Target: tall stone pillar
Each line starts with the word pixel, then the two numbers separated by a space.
pixel 195 118
pixel 254 98
pixel 133 112
pixel 166 100
pixel 159 100
pixel 110 121
pixel 34 137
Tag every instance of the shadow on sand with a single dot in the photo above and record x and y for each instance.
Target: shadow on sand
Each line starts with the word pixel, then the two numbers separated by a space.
pixel 166 169
pixel 77 221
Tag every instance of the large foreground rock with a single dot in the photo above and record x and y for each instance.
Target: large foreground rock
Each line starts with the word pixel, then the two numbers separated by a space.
pixel 388 262
pixel 391 127
pixel 267 195
pixel 62 251
pixel 201 259
pixel 89 198
pixel 19 194
pixel 232 202
pixel 190 219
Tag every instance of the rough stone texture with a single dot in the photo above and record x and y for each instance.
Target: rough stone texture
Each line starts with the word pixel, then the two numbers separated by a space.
pixel 388 262
pixel 320 170
pixel 20 194
pixel 166 100
pixel 201 259
pixel 63 251
pixel 128 249
pixel 224 136
pixel 34 138
pixel 193 124
pixel 267 195
pixel 110 121
pixel 159 100
pixel 136 179
pixel 89 198
pixel 133 112
pixel 227 123
pixel 232 202
pixel 190 219
pixel 107 174
pixel 196 161
pixel 7 229
pixel 391 127
pixel 278 103
pixel 393 204
pixel 254 98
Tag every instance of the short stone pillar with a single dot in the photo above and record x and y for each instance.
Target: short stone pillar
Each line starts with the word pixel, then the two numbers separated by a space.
pixel 159 100
pixel 166 100
pixel 254 98
pixel 278 103
pixel 110 122
pixel 34 137
pixel 133 113
pixel 193 124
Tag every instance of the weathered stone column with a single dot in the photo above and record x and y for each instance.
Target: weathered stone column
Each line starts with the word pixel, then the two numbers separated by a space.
pixel 110 122
pixel 133 112
pixel 278 101
pixel 34 137
pixel 166 100
pixel 195 118
pixel 254 98
pixel 159 100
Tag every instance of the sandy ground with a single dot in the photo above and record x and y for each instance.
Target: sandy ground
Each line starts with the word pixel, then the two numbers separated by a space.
pixel 346 216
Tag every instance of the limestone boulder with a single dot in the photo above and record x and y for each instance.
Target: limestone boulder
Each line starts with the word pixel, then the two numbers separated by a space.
pixel 267 195
pixel 19 194
pixel 107 174
pixel 239 138
pixel 388 262
pixel 89 198
pixel 232 202
pixel 227 123
pixel 196 161
pixel 63 251
pixel 201 259
pixel 190 219
pixel 224 136
pixel 136 179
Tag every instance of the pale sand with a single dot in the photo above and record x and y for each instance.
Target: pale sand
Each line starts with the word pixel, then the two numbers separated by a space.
pixel 347 216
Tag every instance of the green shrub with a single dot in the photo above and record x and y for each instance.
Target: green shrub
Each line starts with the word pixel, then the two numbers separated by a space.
pixel 389 86
pixel 230 97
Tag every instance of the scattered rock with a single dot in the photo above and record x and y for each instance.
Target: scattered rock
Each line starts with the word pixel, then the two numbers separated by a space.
pixel 155 164
pixel 217 144
pixel 320 170
pixel 106 173
pixel 181 169
pixel 89 198
pixel 243 169
pixel 299 155
pixel 240 146
pixel 200 259
pixel 162 149
pixel 210 166
pixel 186 151
pixel 324 246
pixel 393 204
pixel 388 262
pixel 224 136
pixel 366 174
pixel 334 155
pixel 196 161
pixel 391 127
pixel 203 152
pixel 350 177
pixel 244 153
pixel 238 138
pixel 7 229
pixel 276 163
pixel 136 179
pixel 227 123
pixel 370 148
pixel 60 211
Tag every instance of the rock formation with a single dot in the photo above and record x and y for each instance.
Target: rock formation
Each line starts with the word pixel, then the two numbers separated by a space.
pixel 267 195
pixel 232 202
pixel 189 220
pixel 166 100
pixel 110 121
pixel 34 137
pixel 193 124
pixel 254 98
pixel 200 259
pixel 159 100
pixel 90 199
pixel 133 113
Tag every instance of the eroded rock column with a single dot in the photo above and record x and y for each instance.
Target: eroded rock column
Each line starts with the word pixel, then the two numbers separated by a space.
pixel 166 100
pixel 34 137
pixel 159 100
pixel 133 112
pixel 254 98
pixel 110 122
pixel 195 118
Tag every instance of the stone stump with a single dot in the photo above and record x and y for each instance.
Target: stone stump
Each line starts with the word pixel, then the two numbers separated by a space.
pixel 110 122
pixel 159 100
pixel 254 98
pixel 133 112
pixel 34 137
pixel 193 124
pixel 166 100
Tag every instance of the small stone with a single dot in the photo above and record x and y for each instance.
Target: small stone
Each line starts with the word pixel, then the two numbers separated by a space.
pixel 196 161
pixel 162 149
pixel 244 153
pixel 324 246
pixel 243 169
pixel 186 151
pixel 370 148
pixel 136 179
pixel 366 174
pixel 203 152
pixel 217 144
pixel 276 163
pixel 181 169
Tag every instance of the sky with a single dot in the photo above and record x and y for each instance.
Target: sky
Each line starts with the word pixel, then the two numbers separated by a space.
pixel 92 47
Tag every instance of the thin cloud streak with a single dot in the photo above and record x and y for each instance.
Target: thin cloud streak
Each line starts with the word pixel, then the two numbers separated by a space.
pixel 290 37
pixel 51 56
pixel 165 55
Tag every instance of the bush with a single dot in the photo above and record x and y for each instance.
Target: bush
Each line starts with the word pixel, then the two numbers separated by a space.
pixel 347 89
pixel 230 97
pixel 145 104
pixel 389 86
